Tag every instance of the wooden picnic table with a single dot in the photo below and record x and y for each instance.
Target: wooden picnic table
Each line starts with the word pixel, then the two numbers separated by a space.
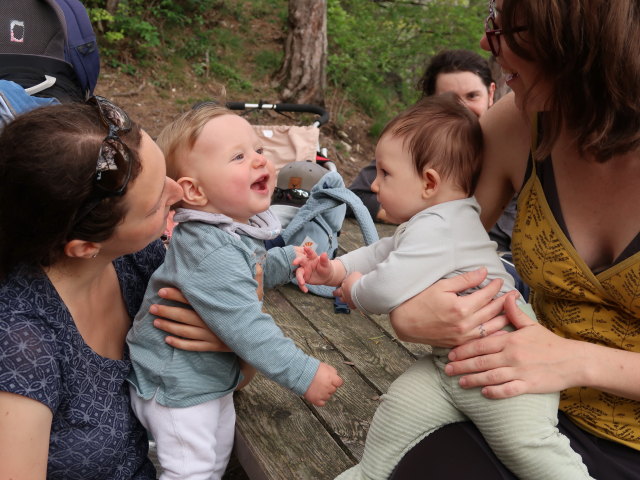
pixel 279 436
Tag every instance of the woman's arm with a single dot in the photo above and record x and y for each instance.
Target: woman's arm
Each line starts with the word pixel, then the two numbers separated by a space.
pixel 535 360
pixel 439 317
pixel 25 426
pixel 187 330
pixel 506 132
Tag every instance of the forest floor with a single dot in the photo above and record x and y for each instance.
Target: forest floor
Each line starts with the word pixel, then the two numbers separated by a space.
pixel 348 144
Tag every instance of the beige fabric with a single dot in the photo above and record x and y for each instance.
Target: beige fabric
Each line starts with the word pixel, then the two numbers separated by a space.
pixel 287 143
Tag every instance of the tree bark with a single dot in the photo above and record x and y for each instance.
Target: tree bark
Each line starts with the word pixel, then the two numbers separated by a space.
pixel 112 6
pixel 303 75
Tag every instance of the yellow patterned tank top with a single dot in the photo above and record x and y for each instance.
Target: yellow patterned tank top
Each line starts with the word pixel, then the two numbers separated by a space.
pixel 575 303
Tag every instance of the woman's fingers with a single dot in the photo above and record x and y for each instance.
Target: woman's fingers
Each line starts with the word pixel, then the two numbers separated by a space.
pixel 188 337
pixel 482 301
pixel 191 345
pixel 464 281
pixel 170 293
pixel 183 315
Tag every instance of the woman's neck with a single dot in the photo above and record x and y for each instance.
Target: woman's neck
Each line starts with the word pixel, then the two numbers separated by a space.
pixel 91 292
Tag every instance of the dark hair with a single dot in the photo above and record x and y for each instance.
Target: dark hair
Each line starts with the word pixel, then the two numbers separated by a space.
pixel 443 134
pixel 453 61
pixel 588 50
pixel 47 168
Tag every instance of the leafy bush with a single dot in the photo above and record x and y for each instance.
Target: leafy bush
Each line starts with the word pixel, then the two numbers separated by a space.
pixel 378 50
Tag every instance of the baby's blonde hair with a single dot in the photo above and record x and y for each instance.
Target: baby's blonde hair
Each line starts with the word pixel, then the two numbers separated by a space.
pixel 178 137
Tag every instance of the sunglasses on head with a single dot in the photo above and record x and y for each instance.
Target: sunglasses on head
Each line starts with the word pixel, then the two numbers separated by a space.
pixel 113 166
pixel 294 196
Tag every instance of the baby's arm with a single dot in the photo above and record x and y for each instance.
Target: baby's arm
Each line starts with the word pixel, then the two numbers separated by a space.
pixel 317 270
pixel 344 292
pixel 324 384
pixel 417 255
pixel 223 291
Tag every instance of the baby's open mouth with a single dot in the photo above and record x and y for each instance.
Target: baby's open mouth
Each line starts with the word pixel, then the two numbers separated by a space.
pixel 261 184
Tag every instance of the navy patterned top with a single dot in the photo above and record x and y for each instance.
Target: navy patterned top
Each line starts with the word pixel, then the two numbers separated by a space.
pixel 94 433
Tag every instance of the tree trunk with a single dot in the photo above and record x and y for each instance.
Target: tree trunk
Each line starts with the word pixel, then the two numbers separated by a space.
pixel 303 75
pixel 112 6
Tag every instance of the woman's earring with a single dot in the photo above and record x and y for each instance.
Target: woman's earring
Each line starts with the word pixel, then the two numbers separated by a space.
pixel 95 254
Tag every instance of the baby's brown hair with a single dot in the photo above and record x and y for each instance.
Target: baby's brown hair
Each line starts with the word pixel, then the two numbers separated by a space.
pixel 443 134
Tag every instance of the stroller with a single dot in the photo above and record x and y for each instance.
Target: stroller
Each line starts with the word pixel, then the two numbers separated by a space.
pixel 48 54
pixel 290 143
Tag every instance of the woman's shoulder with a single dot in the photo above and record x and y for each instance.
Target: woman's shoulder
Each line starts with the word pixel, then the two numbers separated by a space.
pixel 140 265
pixel 32 319
pixel 27 294
pixel 506 128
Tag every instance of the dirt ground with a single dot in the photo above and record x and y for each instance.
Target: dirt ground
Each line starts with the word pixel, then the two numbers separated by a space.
pixel 348 145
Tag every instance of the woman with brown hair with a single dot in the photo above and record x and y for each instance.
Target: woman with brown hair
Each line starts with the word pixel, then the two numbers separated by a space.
pixel 83 201
pixel 568 140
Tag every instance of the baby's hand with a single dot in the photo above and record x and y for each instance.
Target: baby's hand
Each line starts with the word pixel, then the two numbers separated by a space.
pixel 324 384
pixel 313 269
pixel 344 292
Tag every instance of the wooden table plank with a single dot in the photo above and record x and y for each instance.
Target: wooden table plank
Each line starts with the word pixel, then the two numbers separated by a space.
pixel 279 436
pixel 377 356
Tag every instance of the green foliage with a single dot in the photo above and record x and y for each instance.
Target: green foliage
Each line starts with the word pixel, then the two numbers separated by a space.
pixel 378 50
pixel 267 61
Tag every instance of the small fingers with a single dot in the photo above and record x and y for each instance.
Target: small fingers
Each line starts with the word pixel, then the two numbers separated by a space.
pixel 324 260
pixel 301 281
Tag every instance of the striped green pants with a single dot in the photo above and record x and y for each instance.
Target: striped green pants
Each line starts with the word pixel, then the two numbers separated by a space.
pixel 520 430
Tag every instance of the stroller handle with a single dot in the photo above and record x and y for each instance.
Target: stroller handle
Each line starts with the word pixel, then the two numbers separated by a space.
pixel 284 107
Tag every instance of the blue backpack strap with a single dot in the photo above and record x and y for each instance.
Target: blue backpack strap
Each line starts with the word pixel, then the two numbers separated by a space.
pixel 14 100
pixel 360 212
pixel 81 48
pixel 326 198
pixel 323 198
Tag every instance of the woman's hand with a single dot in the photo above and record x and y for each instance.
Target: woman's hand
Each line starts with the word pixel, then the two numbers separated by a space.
pixel 531 359
pixel 186 328
pixel 438 316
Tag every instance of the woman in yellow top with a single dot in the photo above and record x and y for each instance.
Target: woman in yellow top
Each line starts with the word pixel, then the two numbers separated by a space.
pixel 574 70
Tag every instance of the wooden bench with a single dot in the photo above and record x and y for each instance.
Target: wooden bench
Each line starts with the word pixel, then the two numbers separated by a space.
pixel 279 436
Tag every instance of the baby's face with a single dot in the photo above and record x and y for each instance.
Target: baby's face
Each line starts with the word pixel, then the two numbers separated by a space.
pixel 228 164
pixel 397 185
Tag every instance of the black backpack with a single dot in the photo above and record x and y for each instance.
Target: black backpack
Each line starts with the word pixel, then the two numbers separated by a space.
pixel 42 40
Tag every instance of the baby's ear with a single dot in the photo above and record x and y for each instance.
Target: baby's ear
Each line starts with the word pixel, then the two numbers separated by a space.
pixel 192 192
pixel 430 182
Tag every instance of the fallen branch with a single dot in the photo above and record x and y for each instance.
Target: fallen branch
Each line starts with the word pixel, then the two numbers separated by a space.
pixel 130 93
